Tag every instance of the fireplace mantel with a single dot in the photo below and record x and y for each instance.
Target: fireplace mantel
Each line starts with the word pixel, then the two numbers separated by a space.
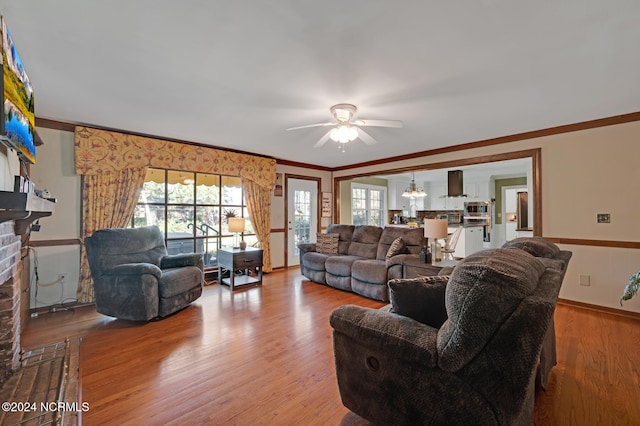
pixel 23 209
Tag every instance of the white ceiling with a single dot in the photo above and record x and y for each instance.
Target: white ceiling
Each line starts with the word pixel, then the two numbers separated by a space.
pixel 236 74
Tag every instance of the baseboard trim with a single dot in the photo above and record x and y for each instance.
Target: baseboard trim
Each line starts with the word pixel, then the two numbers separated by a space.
pixel 607 310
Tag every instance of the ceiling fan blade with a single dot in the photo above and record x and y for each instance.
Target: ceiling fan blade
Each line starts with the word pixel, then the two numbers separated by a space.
pixel 322 140
pixel 380 123
pixel 365 137
pixel 312 125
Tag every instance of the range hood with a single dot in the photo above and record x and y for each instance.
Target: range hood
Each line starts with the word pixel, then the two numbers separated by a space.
pixel 455 186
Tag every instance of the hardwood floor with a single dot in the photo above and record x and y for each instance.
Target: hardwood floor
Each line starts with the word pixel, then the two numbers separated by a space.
pixel 264 355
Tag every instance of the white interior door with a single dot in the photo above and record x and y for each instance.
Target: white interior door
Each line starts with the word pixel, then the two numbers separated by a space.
pixel 302 216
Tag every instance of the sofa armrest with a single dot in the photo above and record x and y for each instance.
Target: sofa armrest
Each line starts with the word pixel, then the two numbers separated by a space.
pixel 404 337
pixel 306 247
pixel 134 269
pixel 401 259
pixel 181 259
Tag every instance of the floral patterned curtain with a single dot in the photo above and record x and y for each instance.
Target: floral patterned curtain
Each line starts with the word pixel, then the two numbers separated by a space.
pixel 99 151
pixel 108 201
pixel 108 160
pixel 259 206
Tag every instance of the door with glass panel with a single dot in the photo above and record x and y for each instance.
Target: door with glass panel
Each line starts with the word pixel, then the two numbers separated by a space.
pixel 302 216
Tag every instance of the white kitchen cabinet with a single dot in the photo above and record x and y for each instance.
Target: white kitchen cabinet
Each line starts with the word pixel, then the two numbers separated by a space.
pixel 484 191
pixel 435 196
pixel 473 239
pixel 471 189
pixel 470 241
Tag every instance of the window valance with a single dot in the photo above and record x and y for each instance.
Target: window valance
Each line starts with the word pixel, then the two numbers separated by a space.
pixel 100 151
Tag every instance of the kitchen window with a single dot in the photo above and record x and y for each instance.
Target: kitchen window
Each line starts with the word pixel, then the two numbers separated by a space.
pixel 368 204
pixel 191 210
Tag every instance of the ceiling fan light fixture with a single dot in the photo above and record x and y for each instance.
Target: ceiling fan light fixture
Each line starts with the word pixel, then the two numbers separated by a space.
pixel 343 133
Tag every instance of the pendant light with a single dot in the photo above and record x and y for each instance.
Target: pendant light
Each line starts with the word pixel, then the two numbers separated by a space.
pixel 412 191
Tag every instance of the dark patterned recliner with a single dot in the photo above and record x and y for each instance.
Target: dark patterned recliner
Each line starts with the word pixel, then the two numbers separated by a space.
pixel 475 365
pixel 135 279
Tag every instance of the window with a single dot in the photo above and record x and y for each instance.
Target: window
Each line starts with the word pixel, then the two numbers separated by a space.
pixel 190 209
pixel 368 204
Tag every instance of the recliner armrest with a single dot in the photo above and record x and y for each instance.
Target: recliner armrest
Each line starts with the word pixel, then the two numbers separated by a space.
pixel 401 336
pixel 134 269
pixel 181 259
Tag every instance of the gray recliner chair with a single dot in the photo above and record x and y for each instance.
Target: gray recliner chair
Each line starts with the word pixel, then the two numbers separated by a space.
pixel 476 364
pixel 135 279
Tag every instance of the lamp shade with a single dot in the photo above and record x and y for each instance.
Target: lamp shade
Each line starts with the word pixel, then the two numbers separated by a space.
pixel 435 228
pixel 236 224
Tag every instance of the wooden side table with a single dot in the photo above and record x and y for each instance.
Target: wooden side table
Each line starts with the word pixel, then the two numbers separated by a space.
pixel 233 259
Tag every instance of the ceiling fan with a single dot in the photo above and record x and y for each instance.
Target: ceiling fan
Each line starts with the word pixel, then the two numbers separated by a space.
pixel 345 129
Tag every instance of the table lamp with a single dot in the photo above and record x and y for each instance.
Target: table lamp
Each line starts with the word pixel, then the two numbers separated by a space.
pixel 236 225
pixel 435 229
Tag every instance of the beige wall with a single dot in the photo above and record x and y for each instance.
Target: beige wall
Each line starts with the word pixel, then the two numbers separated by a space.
pixel 583 173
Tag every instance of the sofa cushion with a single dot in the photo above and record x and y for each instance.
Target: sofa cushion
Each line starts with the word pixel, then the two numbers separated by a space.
pixel 340 265
pixel 420 298
pixel 327 243
pixel 536 246
pixel 315 261
pixel 364 242
pixel 484 289
pixel 371 271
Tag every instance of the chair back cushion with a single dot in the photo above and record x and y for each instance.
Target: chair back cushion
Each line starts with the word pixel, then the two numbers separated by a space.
pixel 484 289
pixel 345 233
pixel 364 242
pixel 107 248
pixel 536 246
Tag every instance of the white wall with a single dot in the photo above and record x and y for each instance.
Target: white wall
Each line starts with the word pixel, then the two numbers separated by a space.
pixel 583 173
pixel 54 170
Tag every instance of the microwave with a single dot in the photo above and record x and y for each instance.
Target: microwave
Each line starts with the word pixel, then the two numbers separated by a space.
pixel 477 208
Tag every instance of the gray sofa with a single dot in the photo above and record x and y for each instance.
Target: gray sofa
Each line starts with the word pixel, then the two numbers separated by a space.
pixel 361 264
pixel 476 363
pixel 135 279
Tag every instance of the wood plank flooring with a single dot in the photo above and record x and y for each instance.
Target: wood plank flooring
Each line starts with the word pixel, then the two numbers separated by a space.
pixel 264 355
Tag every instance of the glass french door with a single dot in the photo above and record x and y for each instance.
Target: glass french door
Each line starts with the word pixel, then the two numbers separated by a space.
pixel 302 216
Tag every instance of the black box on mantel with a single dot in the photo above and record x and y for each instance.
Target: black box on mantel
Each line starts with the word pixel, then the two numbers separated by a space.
pixel 18 184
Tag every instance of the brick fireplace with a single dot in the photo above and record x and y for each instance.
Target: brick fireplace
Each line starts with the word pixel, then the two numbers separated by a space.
pixel 10 285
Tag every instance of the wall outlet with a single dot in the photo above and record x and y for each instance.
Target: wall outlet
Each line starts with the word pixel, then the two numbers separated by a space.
pixel 585 280
pixel 604 218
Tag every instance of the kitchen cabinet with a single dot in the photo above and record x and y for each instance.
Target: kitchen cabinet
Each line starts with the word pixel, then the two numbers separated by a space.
pixel 470 241
pixel 477 190
pixel 436 194
pixel 473 236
